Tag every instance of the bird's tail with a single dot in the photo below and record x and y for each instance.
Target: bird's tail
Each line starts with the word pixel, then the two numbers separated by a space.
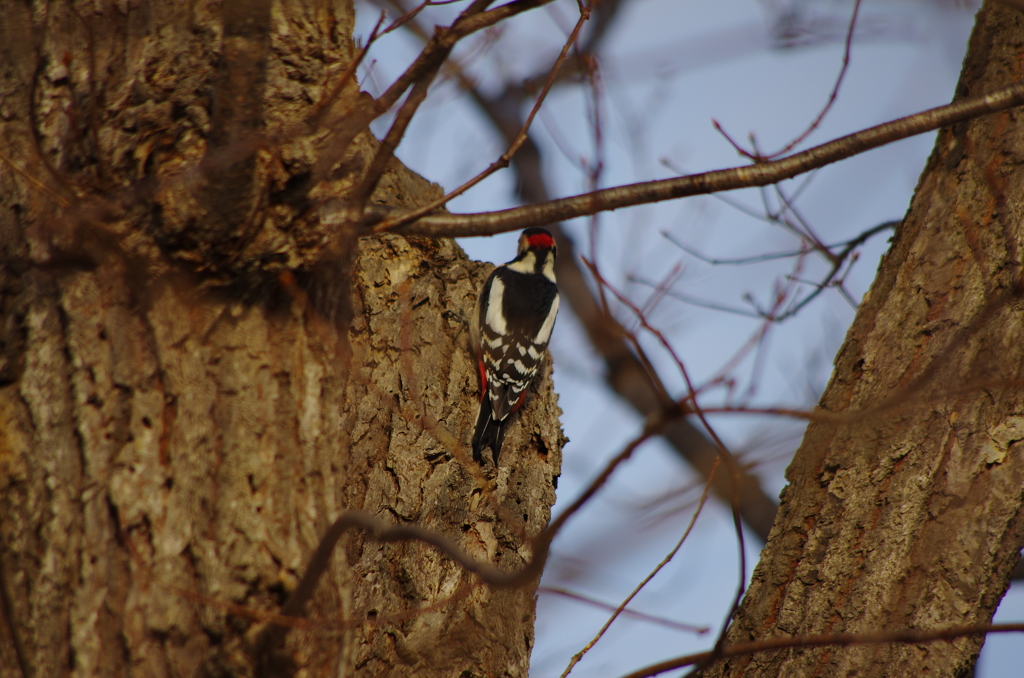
pixel 489 433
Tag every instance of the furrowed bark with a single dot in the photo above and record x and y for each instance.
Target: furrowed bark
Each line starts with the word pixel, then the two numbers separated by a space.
pixel 910 516
pixel 181 419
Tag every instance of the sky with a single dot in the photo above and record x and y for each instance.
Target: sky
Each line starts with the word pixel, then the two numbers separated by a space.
pixel 667 69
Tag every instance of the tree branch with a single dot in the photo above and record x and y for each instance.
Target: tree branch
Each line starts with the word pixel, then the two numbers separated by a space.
pixel 755 156
pixel 621 609
pixel 905 636
pixel 760 174
pixel 270 638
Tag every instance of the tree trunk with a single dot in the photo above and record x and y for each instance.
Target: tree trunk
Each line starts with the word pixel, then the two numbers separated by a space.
pixel 904 503
pixel 198 375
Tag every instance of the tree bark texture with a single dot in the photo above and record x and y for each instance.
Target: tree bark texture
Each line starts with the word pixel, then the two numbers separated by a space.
pixel 903 508
pixel 197 375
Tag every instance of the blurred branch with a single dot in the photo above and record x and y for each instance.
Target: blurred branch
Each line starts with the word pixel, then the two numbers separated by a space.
pixel 271 637
pixel 386 151
pixel 734 469
pixel 860 239
pixel 516 143
pixel 236 118
pixel 435 52
pixel 412 103
pixel 837 259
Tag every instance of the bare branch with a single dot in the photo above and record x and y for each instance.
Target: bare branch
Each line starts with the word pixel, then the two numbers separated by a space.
pixel 412 103
pixel 740 261
pixel 824 111
pixel 394 136
pixel 838 259
pixel 761 174
pixel 433 55
pixel 271 637
pixel 905 636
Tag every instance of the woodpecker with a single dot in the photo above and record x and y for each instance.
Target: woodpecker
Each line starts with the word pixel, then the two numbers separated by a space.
pixel 515 313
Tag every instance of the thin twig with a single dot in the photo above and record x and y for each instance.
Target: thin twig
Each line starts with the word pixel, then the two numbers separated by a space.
pixel 386 152
pixel 741 261
pixel 837 259
pixel 431 57
pixel 758 157
pixel 503 161
pixel 316 114
pixel 416 97
pixel 626 612
pixel 723 452
pixel 621 609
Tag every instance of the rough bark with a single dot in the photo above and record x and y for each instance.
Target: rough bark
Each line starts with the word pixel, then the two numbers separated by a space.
pixel 181 417
pixel 904 511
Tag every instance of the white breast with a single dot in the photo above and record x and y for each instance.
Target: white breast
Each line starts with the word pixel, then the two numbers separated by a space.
pixel 495 319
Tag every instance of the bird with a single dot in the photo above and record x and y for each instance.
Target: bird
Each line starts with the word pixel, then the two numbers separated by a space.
pixel 511 326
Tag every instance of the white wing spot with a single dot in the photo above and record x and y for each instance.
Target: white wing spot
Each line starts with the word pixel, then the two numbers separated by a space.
pixel 495 319
pixel 549 323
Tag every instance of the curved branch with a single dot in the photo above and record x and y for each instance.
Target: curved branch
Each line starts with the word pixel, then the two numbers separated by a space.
pixel 270 638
